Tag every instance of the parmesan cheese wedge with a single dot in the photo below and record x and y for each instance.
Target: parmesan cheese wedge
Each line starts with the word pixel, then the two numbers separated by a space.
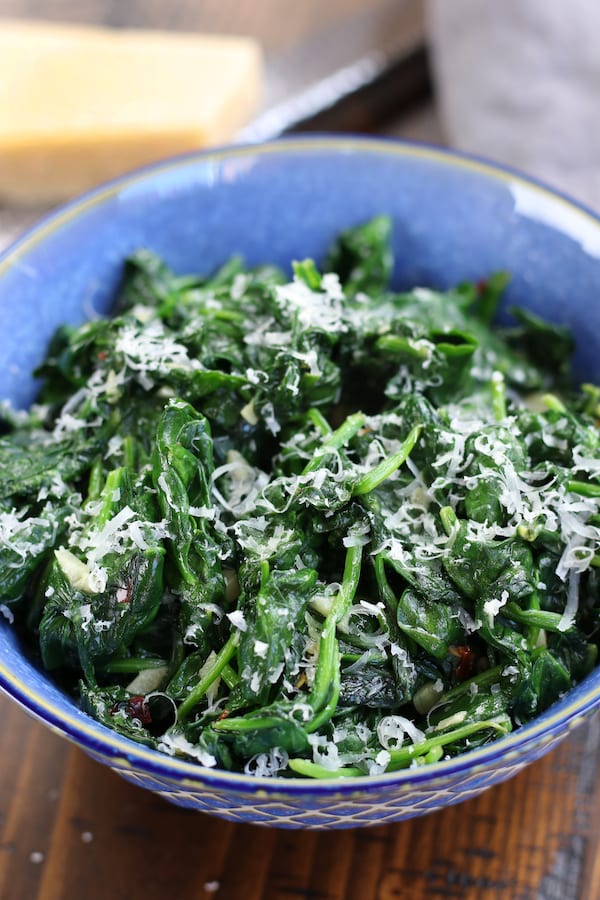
pixel 79 105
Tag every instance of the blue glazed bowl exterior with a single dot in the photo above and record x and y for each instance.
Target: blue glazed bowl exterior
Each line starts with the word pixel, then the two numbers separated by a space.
pixel 455 218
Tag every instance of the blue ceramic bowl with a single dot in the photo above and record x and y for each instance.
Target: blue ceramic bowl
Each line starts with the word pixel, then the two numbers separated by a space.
pixel 455 218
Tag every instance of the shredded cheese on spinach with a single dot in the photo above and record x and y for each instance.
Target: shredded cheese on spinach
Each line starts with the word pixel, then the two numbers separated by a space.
pixel 306 526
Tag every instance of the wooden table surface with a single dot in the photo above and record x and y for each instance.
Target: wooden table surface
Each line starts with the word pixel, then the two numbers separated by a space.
pixel 71 829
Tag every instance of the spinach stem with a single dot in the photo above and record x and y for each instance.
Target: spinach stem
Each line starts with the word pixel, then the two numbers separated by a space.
pixel 326 688
pixel 95 480
pixel 230 676
pixel 498 396
pixel 404 756
pixel 388 466
pixel 129 451
pixel 335 440
pixel 319 421
pixel 449 520
pixel 312 770
pixel 540 618
pixel 223 657
pixel 133 664
pixel 584 488
pixel 552 402
pixel 534 628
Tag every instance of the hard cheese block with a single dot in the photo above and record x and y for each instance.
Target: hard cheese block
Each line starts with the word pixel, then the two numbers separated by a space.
pixel 80 105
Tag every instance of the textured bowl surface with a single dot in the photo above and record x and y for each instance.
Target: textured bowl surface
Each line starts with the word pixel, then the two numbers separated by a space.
pixel 454 218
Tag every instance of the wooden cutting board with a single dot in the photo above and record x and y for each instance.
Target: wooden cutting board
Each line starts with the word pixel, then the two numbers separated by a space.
pixel 71 829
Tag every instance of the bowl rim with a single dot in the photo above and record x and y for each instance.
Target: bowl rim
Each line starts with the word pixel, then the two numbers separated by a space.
pixel 122 752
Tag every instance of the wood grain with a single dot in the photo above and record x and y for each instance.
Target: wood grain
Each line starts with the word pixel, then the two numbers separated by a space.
pixel 535 837
pixel 71 829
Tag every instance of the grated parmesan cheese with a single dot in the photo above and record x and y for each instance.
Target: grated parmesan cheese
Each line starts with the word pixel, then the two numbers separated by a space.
pixel 572 604
pixel 493 606
pixel 7 612
pixel 175 744
pixel 391 731
pixel 238 620
pixel 260 649
pixel 267 765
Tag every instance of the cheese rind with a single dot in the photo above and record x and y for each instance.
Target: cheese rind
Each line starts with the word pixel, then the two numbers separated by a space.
pixel 80 105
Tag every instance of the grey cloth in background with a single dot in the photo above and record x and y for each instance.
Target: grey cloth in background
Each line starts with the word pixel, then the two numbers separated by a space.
pixel 519 81
pixel 14 222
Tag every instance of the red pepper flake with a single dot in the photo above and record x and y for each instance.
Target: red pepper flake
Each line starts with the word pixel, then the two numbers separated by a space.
pixel 466 660
pixel 137 708
pixel 223 715
pixel 102 355
pixel 481 286
pixel 124 593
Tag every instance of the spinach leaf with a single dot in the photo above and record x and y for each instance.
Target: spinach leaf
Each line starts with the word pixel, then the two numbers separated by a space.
pixel 311 527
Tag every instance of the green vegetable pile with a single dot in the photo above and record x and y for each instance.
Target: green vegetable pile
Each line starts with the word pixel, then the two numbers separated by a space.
pixel 308 528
